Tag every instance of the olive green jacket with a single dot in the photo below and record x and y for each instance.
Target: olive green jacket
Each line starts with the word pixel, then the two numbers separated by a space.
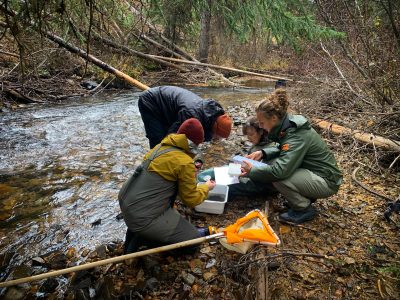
pixel 298 146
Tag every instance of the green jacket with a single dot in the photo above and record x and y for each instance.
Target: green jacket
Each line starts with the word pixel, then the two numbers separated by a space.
pixel 268 146
pixel 300 146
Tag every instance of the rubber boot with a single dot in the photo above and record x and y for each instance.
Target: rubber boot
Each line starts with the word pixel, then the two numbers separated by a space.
pixel 299 216
pixel 132 242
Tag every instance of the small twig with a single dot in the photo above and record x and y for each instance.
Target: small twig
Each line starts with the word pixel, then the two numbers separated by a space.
pixel 365 187
pixel 298 225
pixel 343 77
pixel 9 53
pixel 394 161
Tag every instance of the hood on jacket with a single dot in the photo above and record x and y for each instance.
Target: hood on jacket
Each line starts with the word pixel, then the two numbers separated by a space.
pixel 179 141
pixel 211 110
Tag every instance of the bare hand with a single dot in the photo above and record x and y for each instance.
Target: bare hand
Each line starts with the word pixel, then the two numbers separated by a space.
pixel 255 155
pixel 211 184
pixel 246 168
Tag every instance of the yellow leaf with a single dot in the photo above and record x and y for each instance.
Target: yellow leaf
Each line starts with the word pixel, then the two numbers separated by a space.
pixel 284 229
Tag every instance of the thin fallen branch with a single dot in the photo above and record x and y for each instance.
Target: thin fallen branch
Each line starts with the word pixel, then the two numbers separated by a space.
pixel 135 53
pixel 276 255
pixel 221 68
pixel 9 53
pixel 365 187
pixel 298 225
pixel 342 76
pixel 160 46
pixel 394 161
pixel 19 96
pixel 367 138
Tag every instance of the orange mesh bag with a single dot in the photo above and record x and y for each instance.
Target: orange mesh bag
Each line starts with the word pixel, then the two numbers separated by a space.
pixel 252 229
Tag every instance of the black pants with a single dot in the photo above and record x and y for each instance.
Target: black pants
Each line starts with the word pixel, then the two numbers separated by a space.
pixel 155 129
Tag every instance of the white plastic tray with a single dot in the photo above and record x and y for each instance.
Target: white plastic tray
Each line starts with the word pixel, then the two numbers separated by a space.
pixel 214 207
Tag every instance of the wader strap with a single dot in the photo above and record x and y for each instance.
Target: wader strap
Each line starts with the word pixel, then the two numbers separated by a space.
pixel 156 153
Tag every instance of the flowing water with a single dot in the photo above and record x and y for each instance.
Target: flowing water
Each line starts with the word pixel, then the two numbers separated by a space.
pixel 61 167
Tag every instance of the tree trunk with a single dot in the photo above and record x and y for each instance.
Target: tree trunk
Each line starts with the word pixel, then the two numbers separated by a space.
pixel 205 22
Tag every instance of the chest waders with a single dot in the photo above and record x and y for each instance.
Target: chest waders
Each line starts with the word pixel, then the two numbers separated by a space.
pixel 146 195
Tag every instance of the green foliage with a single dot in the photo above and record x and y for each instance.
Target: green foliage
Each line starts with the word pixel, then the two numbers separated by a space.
pixel 290 22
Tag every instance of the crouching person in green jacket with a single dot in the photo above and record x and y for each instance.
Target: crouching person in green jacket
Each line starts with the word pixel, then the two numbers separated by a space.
pixel 304 169
pixel 147 198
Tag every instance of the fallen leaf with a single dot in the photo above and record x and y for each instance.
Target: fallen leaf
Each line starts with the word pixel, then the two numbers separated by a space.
pixel 284 229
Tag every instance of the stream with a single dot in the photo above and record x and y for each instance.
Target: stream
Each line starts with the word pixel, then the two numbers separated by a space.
pixel 61 167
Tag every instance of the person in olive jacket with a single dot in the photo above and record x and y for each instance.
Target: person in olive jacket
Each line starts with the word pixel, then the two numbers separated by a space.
pixel 165 108
pixel 147 198
pixel 304 168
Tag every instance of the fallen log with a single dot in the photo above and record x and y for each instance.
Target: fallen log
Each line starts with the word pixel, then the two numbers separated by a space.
pixel 367 138
pixel 222 68
pixel 136 53
pixel 58 40
pixel 19 96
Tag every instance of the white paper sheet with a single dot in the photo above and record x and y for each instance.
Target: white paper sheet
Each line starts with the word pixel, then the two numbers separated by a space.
pixel 222 176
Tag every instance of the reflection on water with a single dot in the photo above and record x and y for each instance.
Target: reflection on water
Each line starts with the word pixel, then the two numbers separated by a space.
pixel 61 168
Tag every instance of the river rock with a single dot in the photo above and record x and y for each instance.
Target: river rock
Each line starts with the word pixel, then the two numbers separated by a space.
pixel 71 252
pixel 38 261
pixel 85 252
pixel 188 278
pixel 49 285
pixel 21 271
pixel 14 293
pixel 112 247
pixel 82 294
pixel 105 288
pixel 5 259
pixel 56 260
pixel 152 284
pixel 89 84
pixel 78 280
pixel 101 251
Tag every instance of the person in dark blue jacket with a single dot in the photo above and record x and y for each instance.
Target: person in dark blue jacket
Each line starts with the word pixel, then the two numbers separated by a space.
pixel 165 108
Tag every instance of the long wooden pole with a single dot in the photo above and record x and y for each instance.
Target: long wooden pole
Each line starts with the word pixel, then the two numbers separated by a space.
pixel 58 40
pixel 221 68
pixel 111 260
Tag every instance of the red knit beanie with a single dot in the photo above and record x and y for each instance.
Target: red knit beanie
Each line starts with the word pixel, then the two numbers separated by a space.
pixel 222 126
pixel 193 130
